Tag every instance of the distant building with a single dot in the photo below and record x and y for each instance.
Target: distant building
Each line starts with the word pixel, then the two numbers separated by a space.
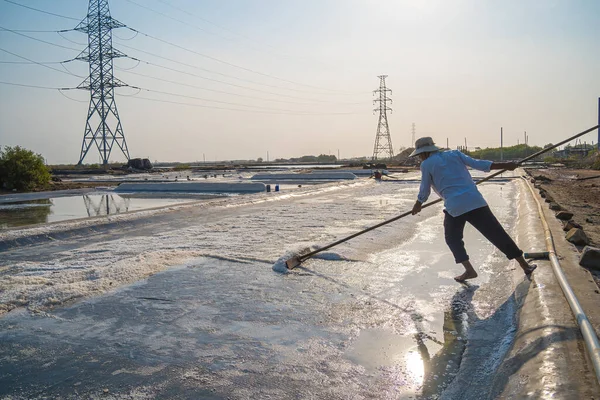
pixel 575 151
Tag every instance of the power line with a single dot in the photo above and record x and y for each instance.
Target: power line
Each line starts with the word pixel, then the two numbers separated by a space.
pixel 220 81
pixel 30 62
pixel 202 88
pixel 131 95
pixel 138 62
pixel 150 90
pixel 220 74
pixel 34 86
pixel 42 11
pixel 78 101
pixel 36 39
pixel 69 40
pixel 173 18
pixel 191 25
pixel 218 101
pixel 65 68
pixel 135 34
pixel 248 39
pixel 213 79
pixel 274 51
pixel 214 72
pixel 40 31
pixel 43 65
pixel 274 111
pixel 237 109
pixel 202 19
pixel 332 91
pixel 238 66
pixel 224 92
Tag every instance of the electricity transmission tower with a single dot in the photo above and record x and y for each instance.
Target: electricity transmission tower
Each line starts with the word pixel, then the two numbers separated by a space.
pixel 383 141
pixel 103 127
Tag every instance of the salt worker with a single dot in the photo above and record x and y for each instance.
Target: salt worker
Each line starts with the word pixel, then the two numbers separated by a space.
pixel 446 172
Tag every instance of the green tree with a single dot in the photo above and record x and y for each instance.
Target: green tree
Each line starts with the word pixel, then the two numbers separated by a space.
pixel 22 169
pixel 326 158
pixel 508 153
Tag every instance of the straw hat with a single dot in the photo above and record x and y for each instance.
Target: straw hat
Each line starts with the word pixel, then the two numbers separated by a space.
pixel 424 145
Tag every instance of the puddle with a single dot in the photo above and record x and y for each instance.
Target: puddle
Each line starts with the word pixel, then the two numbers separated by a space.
pixel 89 205
pixel 379 348
pixel 419 362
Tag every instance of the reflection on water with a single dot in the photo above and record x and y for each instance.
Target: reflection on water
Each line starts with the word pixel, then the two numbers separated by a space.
pixel 427 363
pixel 109 204
pixel 30 213
pixel 65 208
pixel 441 369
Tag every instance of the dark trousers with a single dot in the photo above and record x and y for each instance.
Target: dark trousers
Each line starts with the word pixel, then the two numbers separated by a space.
pixel 485 222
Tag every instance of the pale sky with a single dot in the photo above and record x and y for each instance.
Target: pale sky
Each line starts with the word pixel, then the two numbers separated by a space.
pixel 303 72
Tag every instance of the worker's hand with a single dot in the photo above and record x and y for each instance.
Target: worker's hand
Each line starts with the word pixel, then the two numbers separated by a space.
pixel 417 207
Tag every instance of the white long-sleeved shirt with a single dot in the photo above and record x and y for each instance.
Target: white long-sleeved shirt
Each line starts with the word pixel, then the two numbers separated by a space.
pixel 446 172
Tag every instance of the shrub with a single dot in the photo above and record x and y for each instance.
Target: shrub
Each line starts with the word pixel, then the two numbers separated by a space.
pixel 552 160
pixel 181 167
pixel 22 169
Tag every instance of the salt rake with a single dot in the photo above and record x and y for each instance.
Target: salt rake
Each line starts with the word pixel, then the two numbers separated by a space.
pixel 296 260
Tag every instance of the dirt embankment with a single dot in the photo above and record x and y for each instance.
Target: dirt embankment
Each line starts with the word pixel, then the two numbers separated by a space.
pixel 578 191
pixel 52 186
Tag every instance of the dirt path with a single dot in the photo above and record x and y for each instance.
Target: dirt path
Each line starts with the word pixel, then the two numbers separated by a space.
pixel 580 196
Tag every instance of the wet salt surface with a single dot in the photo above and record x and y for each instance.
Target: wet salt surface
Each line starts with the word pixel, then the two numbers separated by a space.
pixel 219 323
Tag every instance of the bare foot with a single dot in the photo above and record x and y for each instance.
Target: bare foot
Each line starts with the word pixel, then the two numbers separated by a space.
pixel 529 269
pixel 467 275
pixel 525 266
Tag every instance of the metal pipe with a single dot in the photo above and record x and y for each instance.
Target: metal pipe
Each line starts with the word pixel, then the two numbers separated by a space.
pixel 587 330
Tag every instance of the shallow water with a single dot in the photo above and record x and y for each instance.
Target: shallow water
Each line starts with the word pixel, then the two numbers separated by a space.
pixel 66 208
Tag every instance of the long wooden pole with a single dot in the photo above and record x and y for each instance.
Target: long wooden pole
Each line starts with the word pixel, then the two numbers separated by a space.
pixel 295 261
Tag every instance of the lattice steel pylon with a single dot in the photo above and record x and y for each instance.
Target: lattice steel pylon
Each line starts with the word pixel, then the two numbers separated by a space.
pixel 383 141
pixel 103 126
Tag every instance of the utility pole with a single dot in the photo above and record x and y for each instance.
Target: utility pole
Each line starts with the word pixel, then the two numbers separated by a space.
pixel 383 141
pixel 413 134
pixel 525 138
pixel 466 148
pixel 448 147
pixel 501 145
pixel 103 126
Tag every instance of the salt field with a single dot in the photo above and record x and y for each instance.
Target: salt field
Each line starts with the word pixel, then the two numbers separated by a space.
pixel 184 302
pixel 299 200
